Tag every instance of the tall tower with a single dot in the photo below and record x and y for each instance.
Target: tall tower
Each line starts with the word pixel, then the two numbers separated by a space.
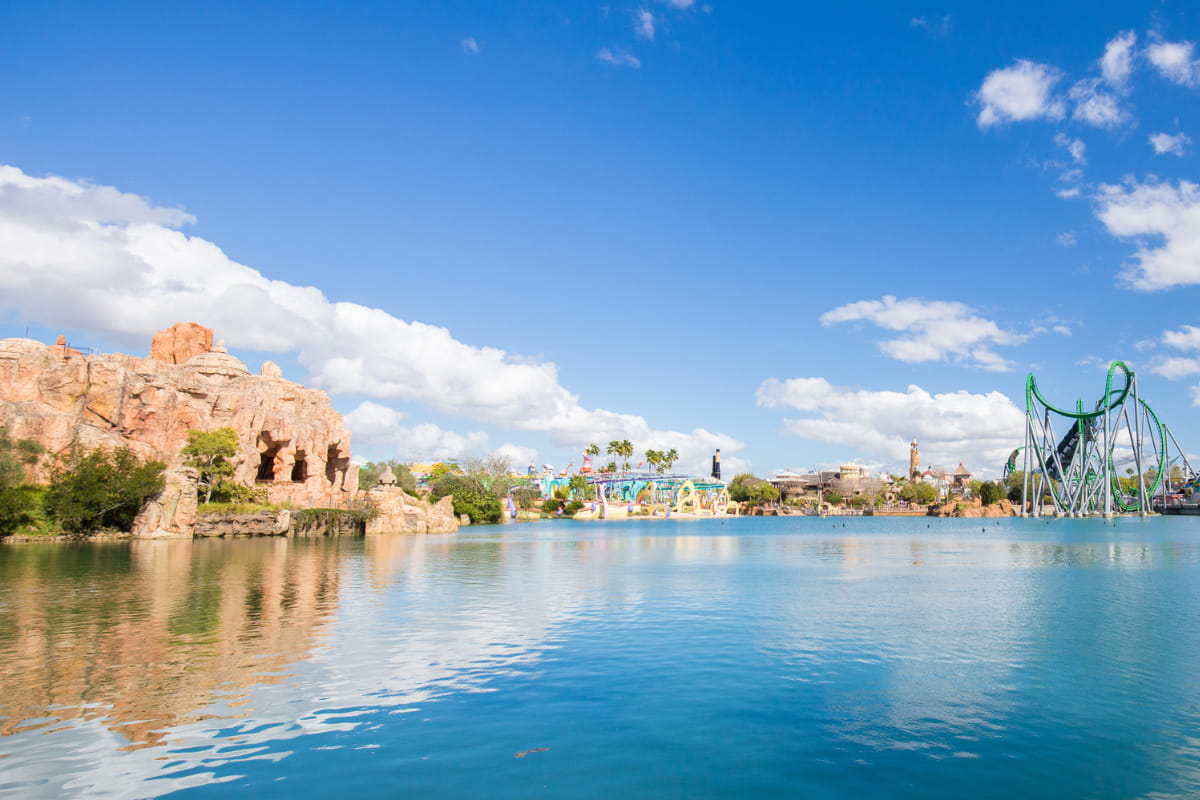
pixel 914 459
pixel 716 470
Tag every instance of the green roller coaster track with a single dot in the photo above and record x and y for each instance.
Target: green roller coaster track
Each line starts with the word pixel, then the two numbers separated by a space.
pixel 1083 451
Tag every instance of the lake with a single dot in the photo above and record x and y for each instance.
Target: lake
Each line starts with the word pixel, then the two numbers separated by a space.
pixel 754 657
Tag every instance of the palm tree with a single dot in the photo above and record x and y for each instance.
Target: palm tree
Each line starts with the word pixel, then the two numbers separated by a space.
pixel 614 449
pixel 669 458
pixel 625 451
pixel 654 459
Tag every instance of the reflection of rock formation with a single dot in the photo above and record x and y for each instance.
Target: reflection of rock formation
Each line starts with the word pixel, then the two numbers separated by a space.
pixel 154 631
pixel 293 442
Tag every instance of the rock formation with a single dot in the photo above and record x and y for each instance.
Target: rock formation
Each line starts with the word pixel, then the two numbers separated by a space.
pixel 400 512
pixel 293 443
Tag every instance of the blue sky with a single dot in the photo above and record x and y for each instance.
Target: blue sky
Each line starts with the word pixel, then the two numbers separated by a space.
pixel 691 224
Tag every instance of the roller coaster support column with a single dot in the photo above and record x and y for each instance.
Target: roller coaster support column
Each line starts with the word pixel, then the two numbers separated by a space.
pixel 1108 504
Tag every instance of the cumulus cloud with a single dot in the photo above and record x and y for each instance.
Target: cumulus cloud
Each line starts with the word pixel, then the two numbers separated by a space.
pixel 1095 106
pixel 1066 239
pixel 620 58
pixel 1021 92
pixel 1186 337
pixel 469 45
pixel 1116 65
pixel 935 330
pixel 73 254
pixel 1165 143
pixel 643 24
pixel 1174 62
pixel 978 429
pixel 378 427
pixel 1164 219
pixel 1075 147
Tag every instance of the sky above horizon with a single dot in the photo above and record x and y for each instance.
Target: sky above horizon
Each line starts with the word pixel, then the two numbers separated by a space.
pixel 803 235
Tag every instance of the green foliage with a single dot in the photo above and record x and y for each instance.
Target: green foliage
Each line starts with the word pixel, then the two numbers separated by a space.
pixel 918 492
pixel 745 488
pixel 551 505
pixel 211 453
pixel 471 496
pixel 609 467
pixel 1015 485
pixel 571 508
pixel 17 507
pixel 102 489
pixel 669 458
pixel 230 492
pixel 991 492
pixel 527 496
pixel 835 499
pixel 861 500
pixel 443 468
pixel 368 475
pixel 335 520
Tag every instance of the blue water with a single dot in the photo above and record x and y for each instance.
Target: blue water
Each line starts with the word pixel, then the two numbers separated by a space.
pixel 761 657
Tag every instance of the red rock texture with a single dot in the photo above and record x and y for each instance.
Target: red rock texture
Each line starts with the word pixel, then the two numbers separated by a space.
pixel 180 342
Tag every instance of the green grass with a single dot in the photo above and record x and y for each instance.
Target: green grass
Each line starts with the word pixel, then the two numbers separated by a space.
pixel 238 508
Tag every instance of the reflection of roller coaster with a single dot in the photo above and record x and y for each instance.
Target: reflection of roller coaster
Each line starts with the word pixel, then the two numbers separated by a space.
pixel 1109 460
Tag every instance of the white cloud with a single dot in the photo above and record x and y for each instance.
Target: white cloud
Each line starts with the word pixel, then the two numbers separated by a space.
pixel 643 24
pixel 1066 239
pixel 1165 220
pixel 77 255
pixel 978 429
pixel 1186 338
pixel 1018 93
pixel 1095 106
pixel 679 4
pixel 1075 147
pixel 518 456
pixel 1166 143
pixel 469 45
pixel 1175 367
pixel 377 427
pixel 937 27
pixel 1116 64
pixel 1174 61
pixel 620 58
pixel 936 330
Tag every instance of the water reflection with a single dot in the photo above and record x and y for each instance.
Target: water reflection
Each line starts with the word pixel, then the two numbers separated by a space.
pixel 142 636
pixel 142 668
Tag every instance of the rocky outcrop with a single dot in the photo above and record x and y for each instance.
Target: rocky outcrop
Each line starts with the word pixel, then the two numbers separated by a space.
pixel 293 443
pixel 180 343
pixel 266 523
pixel 173 512
pixel 400 512
pixel 975 509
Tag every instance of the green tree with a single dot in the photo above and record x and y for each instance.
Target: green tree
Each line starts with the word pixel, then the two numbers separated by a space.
pixel 669 458
pixel 746 488
pixel 991 492
pixel 368 475
pixel 834 499
pixel 16 506
pixel 579 486
pixel 102 489
pixel 626 452
pixel 654 459
pixel 470 496
pixel 211 453
pixel 918 492
pixel 613 450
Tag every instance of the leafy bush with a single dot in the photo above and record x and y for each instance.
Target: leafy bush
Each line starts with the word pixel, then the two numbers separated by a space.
pixel 336 520
pixel 16 506
pixel 211 453
pixel 991 492
pixel 471 497
pixel 552 505
pixel 526 496
pixel 368 475
pixel 572 507
pixel 102 489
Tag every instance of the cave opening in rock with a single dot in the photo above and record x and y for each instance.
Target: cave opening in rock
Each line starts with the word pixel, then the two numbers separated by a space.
pixel 331 463
pixel 266 464
pixel 300 468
